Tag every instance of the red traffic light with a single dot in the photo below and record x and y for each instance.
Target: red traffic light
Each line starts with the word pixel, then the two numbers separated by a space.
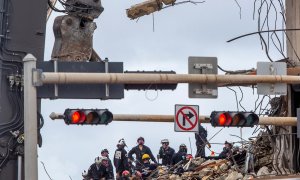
pixel 88 116
pixel 233 119
pixel 77 117
pixel 224 119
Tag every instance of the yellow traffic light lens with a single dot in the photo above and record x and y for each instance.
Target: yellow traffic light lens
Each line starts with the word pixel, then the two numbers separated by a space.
pixel 91 117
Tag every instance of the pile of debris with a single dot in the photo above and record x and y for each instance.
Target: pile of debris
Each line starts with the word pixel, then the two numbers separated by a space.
pixel 252 160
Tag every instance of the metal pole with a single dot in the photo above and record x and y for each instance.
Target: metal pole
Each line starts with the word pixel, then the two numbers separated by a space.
pixel 278 121
pixel 30 119
pixel 134 78
pixel 19 167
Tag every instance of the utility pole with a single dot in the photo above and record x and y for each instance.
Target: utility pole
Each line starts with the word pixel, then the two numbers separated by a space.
pixel 293 52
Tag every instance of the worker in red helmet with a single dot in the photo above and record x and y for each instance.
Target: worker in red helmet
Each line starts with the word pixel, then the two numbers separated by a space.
pixel 139 151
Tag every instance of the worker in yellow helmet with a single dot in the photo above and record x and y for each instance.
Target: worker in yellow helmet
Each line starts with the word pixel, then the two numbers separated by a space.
pixel 147 167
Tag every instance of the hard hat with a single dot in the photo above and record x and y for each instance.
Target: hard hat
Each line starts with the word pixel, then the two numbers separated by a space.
pixel 104 150
pixel 122 142
pixel 84 174
pixel 125 173
pixel 164 141
pixel 212 153
pixel 145 156
pixel 103 158
pixel 182 146
pixel 98 160
pixel 140 138
pixel 189 156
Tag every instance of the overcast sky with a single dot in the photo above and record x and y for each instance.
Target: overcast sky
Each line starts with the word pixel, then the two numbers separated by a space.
pixel 180 32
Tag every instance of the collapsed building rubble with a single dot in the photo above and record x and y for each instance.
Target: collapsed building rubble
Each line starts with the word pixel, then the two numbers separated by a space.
pixel 253 159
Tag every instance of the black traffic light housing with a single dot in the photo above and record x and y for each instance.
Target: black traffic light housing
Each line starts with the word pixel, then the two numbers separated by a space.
pixel 88 116
pixel 233 119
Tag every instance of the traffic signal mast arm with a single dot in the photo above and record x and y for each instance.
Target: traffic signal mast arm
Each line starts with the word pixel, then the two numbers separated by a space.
pixel 120 78
pixel 278 121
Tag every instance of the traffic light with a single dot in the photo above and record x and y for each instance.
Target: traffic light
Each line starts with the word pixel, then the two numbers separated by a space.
pixel 233 119
pixel 87 116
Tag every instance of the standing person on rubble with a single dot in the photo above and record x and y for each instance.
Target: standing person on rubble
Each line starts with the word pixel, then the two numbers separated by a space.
pixel 201 141
pixel 165 153
pixel 180 155
pixel 105 153
pixel 139 151
pixel 121 159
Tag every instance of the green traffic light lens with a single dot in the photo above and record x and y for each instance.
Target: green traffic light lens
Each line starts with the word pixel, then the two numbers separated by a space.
pixel 106 117
pixel 252 119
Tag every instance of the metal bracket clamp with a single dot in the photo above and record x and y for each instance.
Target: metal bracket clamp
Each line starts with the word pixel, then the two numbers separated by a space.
pixel 37 77
pixel 106 71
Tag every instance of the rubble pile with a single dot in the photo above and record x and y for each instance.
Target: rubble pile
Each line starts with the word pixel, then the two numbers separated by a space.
pixel 252 160
pixel 200 168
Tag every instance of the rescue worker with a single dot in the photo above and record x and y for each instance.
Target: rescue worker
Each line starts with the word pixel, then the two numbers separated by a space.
pixel 121 159
pixel 94 170
pixel 201 141
pixel 104 169
pixel 105 153
pixel 226 153
pixel 139 151
pixel 147 167
pixel 180 155
pixel 165 153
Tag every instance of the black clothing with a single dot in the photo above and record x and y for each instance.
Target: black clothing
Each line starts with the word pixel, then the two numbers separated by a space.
pixel 139 153
pixel 94 172
pixel 110 169
pixel 121 161
pixel 201 140
pixel 166 155
pixel 225 153
pixel 177 157
pixel 104 173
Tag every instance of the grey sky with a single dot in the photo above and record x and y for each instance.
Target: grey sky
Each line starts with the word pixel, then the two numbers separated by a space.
pixel 181 31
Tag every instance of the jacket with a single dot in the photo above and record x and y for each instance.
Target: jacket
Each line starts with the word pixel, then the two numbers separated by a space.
pixel 166 155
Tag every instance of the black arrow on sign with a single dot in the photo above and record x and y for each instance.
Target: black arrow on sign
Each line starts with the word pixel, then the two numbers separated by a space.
pixel 189 115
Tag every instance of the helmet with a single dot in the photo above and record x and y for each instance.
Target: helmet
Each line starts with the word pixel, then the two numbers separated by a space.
pixel 125 173
pixel 145 156
pixel 140 138
pixel 165 141
pixel 182 146
pixel 104 150
pixel 84 174
pixel 98 160
pixel 189 156
pixel 121 142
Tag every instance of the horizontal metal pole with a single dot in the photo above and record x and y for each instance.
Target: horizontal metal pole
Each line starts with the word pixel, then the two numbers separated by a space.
pixel 120 78
pixel 277 121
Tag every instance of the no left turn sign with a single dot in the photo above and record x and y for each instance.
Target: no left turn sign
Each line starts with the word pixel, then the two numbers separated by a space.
pixel 186 118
